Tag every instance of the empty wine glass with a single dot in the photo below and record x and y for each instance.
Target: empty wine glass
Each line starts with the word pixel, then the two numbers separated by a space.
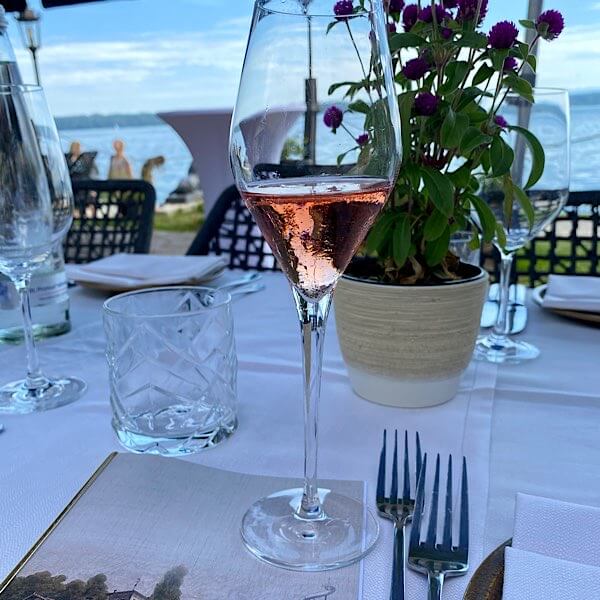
pixel 29 229
pixel 548 119
pixel 314 213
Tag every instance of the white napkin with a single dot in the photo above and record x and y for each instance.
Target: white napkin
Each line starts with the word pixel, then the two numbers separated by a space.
pixel 555 553
pixel 145 270
pixel 571 292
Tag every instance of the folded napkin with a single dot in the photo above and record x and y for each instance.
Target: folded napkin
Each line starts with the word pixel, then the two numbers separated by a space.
pixel 146 270
pixel 555 552
pixel 571 292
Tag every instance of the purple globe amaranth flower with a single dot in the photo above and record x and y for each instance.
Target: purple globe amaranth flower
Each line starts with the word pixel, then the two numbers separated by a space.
pixel 501 121
pixel 467 10
pixel 415 69
pixel 333 118
pixel 510 64
pixel 503 35
pixel 440 14
pixel 450 3
pixel 396 6
pixel 362 139
pixel 343 8
pixel 426 104
pixel 410 16
pixel 391 27
pixel 446 32
pixel 550 24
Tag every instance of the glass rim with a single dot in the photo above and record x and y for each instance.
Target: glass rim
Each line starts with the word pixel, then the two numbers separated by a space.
pixel 331 15
pixel 544 91
pixel 113 312
pixel 8 88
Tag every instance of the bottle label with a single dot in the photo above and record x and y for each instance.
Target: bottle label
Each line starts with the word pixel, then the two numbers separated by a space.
pixel 48 288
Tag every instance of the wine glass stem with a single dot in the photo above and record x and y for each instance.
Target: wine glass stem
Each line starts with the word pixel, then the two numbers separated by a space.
pixel 35 380
pixel 313 319
pixel 502 327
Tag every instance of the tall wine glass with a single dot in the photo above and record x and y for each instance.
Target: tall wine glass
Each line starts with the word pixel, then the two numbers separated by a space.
pixel 314 213
pixel 32 222
pixel 548 119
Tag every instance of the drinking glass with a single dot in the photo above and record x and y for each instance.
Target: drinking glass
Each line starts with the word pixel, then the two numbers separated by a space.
pixel 32 222
pixel 314 213
pixel 173 368
pixel 548 119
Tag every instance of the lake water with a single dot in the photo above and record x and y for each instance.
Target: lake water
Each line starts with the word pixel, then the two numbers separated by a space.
pixel 145 142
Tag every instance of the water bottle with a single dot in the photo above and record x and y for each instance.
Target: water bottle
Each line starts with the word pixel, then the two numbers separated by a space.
pixel 48 288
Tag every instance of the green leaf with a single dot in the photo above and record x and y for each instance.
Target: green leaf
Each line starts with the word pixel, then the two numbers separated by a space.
pixel 472 139
pixel 522 50
pixel 498 58
pixel 473 39
pixel 501 235
pixel 453 129
pixel 455 74
pixel 359 106
pixel 461 177
pixel 509 197
pixel 379 234
pixel 331 26
pixel 440 190
pixel 412 173
pixel 538 156
pixel 405 40
pixel 405 104
pixel 402 240
pixel 487 220
pixel 519 86
pixel 527 23
pixel 436 250
pixel 434 226
pixel 337 86
pixel 526 205
pixel 532 60
pixel 501 157
pixel 483 74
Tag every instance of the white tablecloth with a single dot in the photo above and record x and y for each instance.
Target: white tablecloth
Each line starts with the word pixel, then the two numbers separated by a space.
pixel 532 428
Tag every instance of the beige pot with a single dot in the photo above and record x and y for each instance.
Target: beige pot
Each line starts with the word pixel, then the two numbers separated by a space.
pixel 408 345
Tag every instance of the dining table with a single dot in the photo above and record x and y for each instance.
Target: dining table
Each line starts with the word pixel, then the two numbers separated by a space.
pixel 532 427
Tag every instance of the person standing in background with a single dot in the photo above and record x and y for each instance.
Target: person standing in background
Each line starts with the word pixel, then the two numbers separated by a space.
pixel 149 166
pixel 120 167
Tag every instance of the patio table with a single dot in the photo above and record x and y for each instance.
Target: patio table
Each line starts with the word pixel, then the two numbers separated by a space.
pixel 531 428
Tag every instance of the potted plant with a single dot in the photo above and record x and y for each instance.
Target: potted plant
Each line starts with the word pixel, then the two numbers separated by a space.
pixel 408 310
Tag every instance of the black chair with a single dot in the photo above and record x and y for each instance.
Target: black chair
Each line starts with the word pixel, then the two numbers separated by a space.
pixel 571 245
pixel 230 230
pixel 110 217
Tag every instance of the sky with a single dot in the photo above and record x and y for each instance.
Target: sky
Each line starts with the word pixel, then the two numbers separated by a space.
pixel 131 56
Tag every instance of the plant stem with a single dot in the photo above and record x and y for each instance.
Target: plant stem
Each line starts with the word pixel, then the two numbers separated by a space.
pixel 313 319
pixel 501 328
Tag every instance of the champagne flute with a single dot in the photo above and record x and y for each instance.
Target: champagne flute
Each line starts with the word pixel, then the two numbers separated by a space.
pixel 314 214
pixel 32 222
pixel 548 119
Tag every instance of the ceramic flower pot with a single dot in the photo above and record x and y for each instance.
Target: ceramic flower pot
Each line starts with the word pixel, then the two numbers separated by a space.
pixel 408 346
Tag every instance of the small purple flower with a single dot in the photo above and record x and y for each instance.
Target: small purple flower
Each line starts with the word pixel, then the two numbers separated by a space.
pixel 446 32
pixel 410 16
pixel 391 27
pixel 415 69
pixel 510 64
pixel 503 35
pixel 501 121
pixel 343 8
pixel 553 23
pixel 396 5
pixel 333 118
pixel 426 104
pixel 362 139
pixel 427 14
pixel 467 10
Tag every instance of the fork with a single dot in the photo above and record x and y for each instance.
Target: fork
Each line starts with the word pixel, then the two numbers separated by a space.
pixel 397 509
pixel 439 560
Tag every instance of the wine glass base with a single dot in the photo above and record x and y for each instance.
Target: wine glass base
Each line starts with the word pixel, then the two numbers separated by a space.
pixel 504 350
pixel 344 533
pixel 17 398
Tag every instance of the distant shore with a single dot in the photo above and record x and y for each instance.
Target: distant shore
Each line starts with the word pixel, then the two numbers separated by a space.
pixel 107 121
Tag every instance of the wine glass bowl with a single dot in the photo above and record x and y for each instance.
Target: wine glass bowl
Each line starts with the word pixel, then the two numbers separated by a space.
pixel 315 150
pixel 547 118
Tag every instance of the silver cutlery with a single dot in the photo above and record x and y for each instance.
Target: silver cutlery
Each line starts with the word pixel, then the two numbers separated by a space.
pixel 398 509
pixel 246 289
pixel 517 310
pixel 244 280
pixel 439 560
